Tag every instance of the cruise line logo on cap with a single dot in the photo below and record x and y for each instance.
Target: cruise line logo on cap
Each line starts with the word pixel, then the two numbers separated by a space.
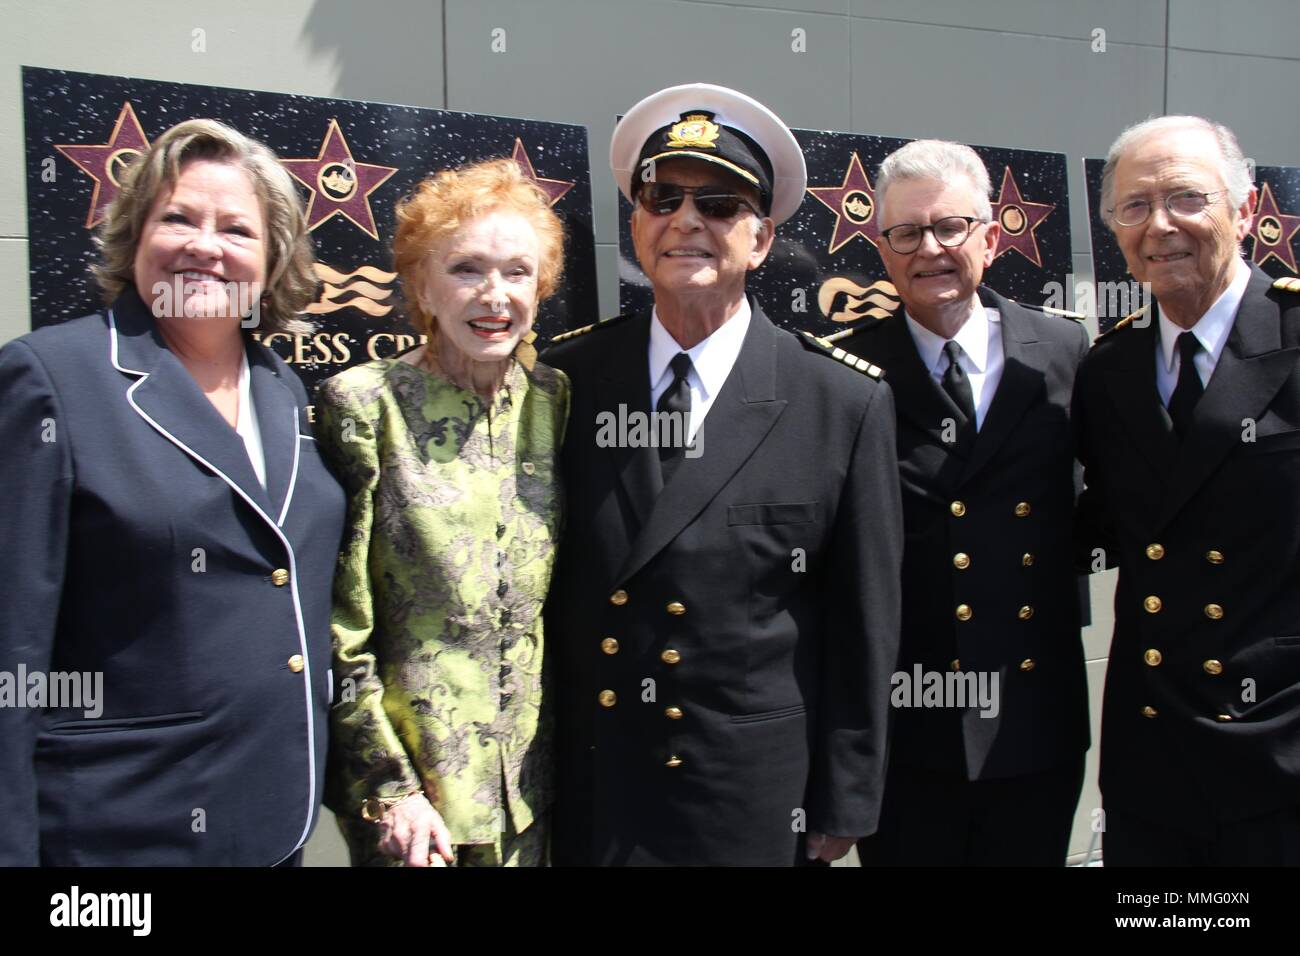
pixel 695 130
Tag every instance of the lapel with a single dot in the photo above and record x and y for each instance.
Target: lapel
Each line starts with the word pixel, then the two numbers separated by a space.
pixel 166 396
pixel 1249 373
pixel 625 384
pixel 1132 389
pixel 1023 379
pixel 918 397
pixel 739 419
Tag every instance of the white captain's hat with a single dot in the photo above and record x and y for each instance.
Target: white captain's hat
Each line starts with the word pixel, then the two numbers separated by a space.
pixel 717 125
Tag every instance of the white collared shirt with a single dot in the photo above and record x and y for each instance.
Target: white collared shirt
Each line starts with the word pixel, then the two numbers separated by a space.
pixel 711 361
pixel 246 422
pixel 980 338
pixel 1211 330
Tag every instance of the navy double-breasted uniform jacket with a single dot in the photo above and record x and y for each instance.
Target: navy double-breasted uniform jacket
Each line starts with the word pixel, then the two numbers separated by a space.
pixel 1201 715
pixel 722 645
pixel 142 547
pixel 989 583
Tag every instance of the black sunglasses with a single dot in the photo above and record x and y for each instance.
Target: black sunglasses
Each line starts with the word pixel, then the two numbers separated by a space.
pixel 664 199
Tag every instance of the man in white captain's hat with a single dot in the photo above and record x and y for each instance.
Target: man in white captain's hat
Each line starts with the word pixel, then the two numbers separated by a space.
pixel 723 617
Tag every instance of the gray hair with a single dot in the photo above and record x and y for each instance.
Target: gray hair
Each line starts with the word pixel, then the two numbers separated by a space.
pixel 1233 169
pixel 941 160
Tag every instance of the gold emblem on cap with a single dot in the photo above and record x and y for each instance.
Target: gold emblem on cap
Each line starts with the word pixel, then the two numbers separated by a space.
pixel 694 129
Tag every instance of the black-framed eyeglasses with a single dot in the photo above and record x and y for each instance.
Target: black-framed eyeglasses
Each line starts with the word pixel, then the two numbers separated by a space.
pixel 1185 203
pixel 713 202
pixel 949 232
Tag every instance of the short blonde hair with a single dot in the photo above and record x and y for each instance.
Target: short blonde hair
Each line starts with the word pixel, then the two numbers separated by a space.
pixel 444 202
pixel 291 282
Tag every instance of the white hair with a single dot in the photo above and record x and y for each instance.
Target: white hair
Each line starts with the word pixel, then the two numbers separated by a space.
pixel 1233 169
pixel 941 160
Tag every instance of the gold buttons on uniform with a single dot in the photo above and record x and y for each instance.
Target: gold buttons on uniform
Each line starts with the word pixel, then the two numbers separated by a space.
pixel 961 561
pixel 279 577
pixel 673 713
pixel 1027 559
pixel 1022 509
pixel 1155 551
pixel 676 607
pixel 955 665
pixel 957 508
pixel 1223 718
pixel 1213 612
pixel 1212 667
pixel 1148 711
pixel 963 612
pixel 1152 604
pixel 619 597
pixel 607 698
pixel 673 761
pixel 1214 557
pixel 1027 664
pixel 296 663
pixel 609 645
pixel 670 656
pixel 1025 613
pixel 1153 657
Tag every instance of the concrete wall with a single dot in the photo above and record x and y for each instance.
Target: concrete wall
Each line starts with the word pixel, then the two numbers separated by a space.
pixel 1004 72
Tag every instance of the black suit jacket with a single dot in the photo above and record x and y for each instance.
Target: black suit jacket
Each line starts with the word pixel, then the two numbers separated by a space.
pixel 1201 718
pixel 988 518
pixel 781 544
pixel 144 548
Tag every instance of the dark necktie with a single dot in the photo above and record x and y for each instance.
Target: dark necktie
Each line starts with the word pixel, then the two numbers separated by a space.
pixel 956 383
pixel 676 398
pixel 1183 402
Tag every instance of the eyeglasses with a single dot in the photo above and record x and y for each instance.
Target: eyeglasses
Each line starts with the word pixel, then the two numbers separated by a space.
pixel 1184 204
pixel 949 232
pixel 664 199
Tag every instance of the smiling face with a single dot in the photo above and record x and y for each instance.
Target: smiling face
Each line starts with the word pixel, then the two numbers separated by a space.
pixel 480 285
pixel 933 277
pixel 1187 260
pixel 687 254
pixel 207 233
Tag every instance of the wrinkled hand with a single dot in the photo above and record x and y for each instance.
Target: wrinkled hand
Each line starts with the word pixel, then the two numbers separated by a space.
pixel 827 848
pixel 407 829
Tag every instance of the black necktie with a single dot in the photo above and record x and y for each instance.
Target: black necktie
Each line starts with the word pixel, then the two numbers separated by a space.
pixel 955 382
pixel 677 399
pixel 1183 402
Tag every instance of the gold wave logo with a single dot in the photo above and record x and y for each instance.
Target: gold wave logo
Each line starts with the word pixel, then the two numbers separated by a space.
pixel 364 289
pixel 843 300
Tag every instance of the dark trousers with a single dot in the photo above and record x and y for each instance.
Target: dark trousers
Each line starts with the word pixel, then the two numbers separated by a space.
pixel 1272 839
pixel 936 819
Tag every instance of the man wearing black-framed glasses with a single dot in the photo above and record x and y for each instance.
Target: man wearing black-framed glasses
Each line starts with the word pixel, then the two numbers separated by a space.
pixel 725 617
pixel 990 595
pixel 1187 416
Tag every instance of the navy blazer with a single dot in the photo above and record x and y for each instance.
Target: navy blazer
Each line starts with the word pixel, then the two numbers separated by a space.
pixel 143 548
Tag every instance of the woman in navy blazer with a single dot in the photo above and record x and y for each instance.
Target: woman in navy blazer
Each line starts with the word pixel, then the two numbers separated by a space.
pixel 172 535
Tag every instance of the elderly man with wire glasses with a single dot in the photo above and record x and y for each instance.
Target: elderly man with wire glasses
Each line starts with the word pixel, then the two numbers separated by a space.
pixel 992 701
pixel 1188 422
pixel 725 604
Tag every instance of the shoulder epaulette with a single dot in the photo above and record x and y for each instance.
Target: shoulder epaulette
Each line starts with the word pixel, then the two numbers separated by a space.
pixel 852 330
pixel 852 361
pixel 1122 323
pixel 602 324
pixel 1063 313
pixel 1287 284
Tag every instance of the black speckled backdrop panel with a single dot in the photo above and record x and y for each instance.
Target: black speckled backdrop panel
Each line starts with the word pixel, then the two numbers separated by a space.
pixel 1277 252
pixel 802 260
pixel 62 108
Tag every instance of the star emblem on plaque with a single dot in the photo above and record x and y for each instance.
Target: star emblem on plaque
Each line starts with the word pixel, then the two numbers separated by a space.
pixel 554 188
pixel 106 163
pixel 340 186
pixel 1019 218
pixel 854 203
pixel 1273 231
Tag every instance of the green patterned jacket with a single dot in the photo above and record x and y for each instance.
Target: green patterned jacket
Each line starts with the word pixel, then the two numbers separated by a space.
pixel 454 510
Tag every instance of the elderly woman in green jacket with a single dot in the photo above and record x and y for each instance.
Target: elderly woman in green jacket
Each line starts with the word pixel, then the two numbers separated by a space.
pixel 440 750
